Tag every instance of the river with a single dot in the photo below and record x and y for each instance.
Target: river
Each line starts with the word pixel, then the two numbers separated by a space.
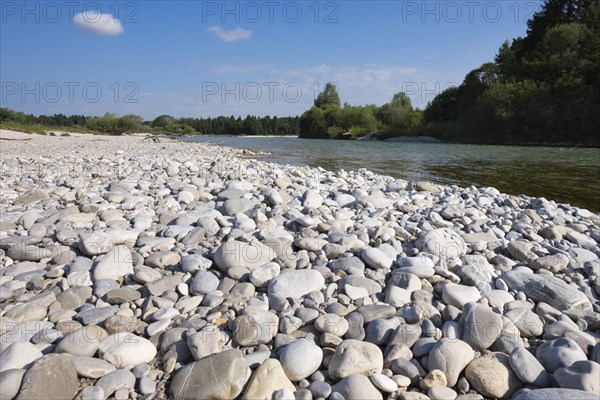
pixel 566 175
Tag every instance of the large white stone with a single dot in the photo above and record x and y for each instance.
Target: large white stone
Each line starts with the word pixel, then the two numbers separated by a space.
pixel 125 350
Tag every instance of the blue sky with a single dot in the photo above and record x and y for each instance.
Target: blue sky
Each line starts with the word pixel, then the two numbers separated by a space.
pixel 199 58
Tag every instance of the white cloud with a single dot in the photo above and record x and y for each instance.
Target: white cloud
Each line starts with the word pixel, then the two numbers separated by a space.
pixel 363 84
pixel 236 69
pixel 230 36
pixel 98 23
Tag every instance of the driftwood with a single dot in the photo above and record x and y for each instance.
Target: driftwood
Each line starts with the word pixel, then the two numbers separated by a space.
pixel 154 139
pixel 15 140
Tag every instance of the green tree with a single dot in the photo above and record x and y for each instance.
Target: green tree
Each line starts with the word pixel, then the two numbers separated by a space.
pixel 329 97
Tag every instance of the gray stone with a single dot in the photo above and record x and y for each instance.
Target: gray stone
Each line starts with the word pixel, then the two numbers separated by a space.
pixel 528 368
pixel 237 258
pixel 115 264
pixel 208 341
pixel 581 375
pixel 492 376
pixel 554 394
pixel 10 382
pixel 459 295
pixel 197 380
pixel 528 323
pixel 266 380
pixel 481 326
pixel 89 367
pixel 300 359
pixel 204 282
pixel 451 357
pixel 122 295
pixel 19 355
pixel 52 377
pixel 522 251
pixel 93 244
pixel 125 350
pixel 94 316
pixel 355 357
pixel 255 326
pixel 115 380
pixel 548 289
pixel 296 283
pixel 376 258
pixel 28 253
pixel 82 342
pixel 559 353
pixel 357 387
pixel 443 243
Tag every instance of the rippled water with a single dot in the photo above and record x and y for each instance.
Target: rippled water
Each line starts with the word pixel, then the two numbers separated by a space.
pixel 566 175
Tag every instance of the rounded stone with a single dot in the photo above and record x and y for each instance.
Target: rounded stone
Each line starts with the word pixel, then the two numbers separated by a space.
pixel 300 359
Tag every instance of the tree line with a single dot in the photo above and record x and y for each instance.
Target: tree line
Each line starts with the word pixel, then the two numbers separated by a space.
pixel 113 124
pixel 542 88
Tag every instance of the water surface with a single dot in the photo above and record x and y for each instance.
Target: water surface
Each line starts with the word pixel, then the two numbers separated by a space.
pixel 566 175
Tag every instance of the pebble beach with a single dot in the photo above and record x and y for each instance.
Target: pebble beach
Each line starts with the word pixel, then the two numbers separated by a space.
pixel 175 270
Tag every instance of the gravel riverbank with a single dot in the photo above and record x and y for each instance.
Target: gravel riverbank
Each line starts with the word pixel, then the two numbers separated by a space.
pixel 138 270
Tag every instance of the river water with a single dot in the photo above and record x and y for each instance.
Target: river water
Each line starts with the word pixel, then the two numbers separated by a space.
pixel 566 175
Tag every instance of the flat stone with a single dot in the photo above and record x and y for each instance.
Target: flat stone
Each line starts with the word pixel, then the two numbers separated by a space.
pixel 115 264
pixel 162 259
pixel 357 387
pixel 93 244
pixel 19 355
pixel 197 380
pixel 554 394
pixel 10 383
pixel 52 377
pixel 266 380
pixel 94 316
pixel 122 295
pixel 82 342
pixel 547 289
pixel 237 258
pixel 261 276
pixel 116 380
pixel 296 283
pixel 355 357
pixel 459 295
pixel 481 326
pixel 528 322
pixel 384 383
pixel 89 367
pixel 28 253
pixel 443 243
pixel 528 368
pixel 125 350
pixel 522 251
pixel 376 258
